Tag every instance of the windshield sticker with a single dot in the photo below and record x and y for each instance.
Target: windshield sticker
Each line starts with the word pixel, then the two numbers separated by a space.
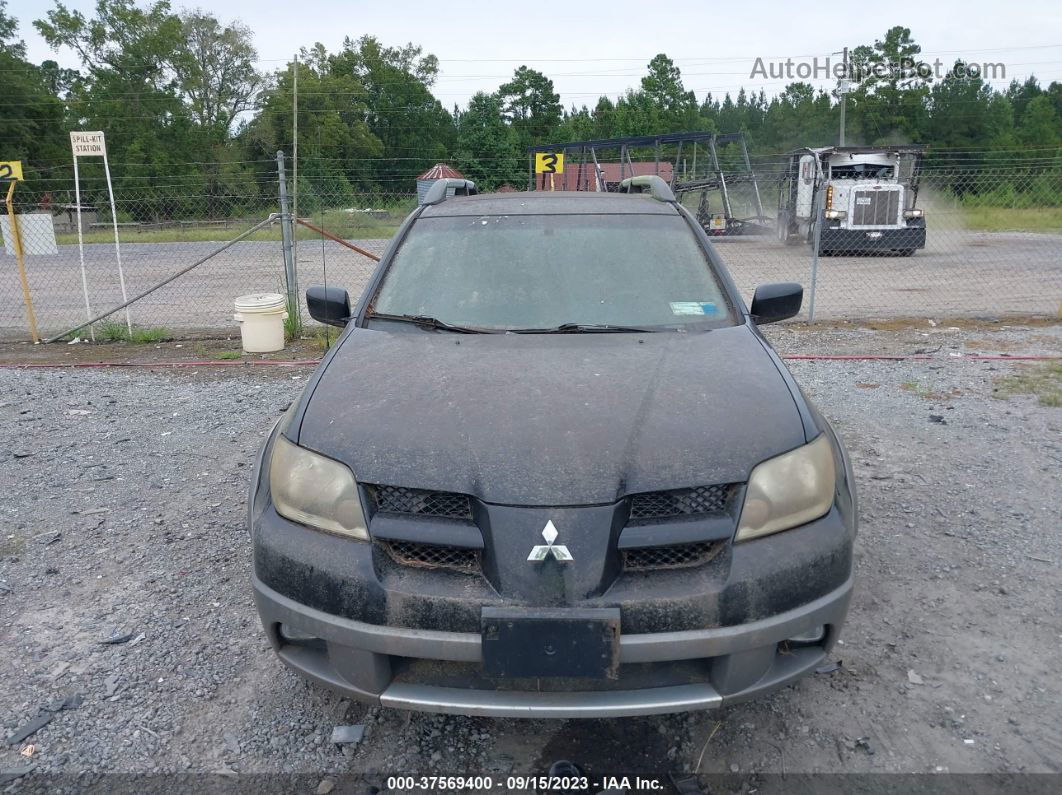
pixel 693 308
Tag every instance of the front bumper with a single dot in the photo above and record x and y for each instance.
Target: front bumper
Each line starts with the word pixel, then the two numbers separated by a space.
pixel 660 672
pixel 908 238
pixel 341 613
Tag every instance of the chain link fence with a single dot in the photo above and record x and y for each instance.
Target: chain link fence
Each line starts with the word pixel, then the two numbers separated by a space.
pixel 72 280
pixel 993 250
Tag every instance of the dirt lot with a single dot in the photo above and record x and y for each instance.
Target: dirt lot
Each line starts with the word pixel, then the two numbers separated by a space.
pixel 124 516
pixel 975 274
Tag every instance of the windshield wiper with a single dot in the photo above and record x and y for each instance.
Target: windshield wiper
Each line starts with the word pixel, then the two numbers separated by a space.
pixel 583 328
pixel 424 321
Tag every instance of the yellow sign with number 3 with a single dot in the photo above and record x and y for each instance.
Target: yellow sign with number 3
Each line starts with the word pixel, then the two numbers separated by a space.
pixel 549 163
pixel 11 170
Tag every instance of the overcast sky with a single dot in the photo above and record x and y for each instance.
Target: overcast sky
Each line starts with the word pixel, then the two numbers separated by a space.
pixel 597 47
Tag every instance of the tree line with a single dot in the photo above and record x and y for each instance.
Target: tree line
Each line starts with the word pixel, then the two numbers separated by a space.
pixel 191 120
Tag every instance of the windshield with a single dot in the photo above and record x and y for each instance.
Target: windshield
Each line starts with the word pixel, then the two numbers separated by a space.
pixel 520 272
pixel 862 171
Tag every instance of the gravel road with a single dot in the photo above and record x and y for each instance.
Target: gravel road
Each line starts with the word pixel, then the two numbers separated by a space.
pixel 124 516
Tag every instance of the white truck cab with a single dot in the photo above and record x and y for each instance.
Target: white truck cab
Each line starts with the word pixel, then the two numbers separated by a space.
pixel 860 198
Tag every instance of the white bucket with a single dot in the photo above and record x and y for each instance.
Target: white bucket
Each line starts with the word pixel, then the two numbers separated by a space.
pixel 261 317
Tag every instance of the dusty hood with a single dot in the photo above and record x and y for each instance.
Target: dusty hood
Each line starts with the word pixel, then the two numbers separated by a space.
pixel 572 419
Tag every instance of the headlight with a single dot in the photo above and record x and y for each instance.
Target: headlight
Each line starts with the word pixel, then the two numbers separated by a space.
pixel 915 213
pixel 836 214
pixel 788 490
pixel 311 489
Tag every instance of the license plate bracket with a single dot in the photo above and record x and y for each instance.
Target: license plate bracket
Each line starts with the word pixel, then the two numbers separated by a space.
pixel 519 643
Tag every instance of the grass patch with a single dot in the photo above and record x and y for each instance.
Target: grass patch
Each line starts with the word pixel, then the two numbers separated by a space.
pixel 12 546
pixel 920 323
pixel 145 336
pixel 293 322
pixel 381 224
pixel 209 234
pixel 229 355
pixel 113 331
pixel 916 388
pixel 1042 381
pixel 322 339
pixel 1013 219
pixel 926 393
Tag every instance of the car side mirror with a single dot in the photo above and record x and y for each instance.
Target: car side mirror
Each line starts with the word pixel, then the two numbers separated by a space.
pixel 774 302
pixel 329 305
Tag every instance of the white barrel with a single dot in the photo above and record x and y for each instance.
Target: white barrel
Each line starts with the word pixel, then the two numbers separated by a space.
pixel 261 317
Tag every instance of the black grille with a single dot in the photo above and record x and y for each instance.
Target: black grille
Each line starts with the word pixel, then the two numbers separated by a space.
pixel 682 502
pixel 672 557
pixel 444 504
pixel 408 553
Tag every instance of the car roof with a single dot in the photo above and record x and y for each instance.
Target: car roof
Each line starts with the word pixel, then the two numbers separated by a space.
pixel 550 203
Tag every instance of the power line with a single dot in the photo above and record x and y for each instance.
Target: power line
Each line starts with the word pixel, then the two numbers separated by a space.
pixel 722 58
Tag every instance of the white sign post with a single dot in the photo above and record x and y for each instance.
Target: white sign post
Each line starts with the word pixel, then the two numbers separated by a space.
pixel 93 144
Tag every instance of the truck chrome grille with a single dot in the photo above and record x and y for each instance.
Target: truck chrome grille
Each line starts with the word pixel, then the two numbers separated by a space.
pixel 419 502
pixel 677 556
pixel 876 207
pixel 699 501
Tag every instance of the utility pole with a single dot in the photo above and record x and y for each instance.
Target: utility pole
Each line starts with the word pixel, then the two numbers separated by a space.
pixel 294 156
pixel 843 89
pixel 286 237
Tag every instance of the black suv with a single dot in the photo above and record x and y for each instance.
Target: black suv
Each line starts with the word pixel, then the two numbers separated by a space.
pixel 551 468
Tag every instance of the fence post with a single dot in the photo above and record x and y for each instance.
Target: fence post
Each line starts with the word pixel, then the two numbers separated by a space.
pixel 286 236
pixel 16 240
pixel 816 238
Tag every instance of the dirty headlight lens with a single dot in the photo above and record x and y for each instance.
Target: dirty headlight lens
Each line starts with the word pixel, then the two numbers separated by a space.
pixel 789 490
pixel 311 489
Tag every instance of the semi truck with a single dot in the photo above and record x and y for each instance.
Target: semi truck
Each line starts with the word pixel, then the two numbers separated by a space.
pixel 859 199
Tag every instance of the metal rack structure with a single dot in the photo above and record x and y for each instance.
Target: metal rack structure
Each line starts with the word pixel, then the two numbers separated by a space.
pixel 693 159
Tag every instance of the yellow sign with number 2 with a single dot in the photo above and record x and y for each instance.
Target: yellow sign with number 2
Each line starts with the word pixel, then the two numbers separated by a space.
pixel 11 170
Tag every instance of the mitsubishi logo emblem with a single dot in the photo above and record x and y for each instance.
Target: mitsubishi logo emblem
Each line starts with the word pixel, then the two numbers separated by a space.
pixel 543 551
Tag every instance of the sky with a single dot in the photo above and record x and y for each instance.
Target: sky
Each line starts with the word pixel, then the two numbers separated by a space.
pixel 595 47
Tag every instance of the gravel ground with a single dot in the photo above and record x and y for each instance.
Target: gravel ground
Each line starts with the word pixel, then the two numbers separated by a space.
pixel 124 515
